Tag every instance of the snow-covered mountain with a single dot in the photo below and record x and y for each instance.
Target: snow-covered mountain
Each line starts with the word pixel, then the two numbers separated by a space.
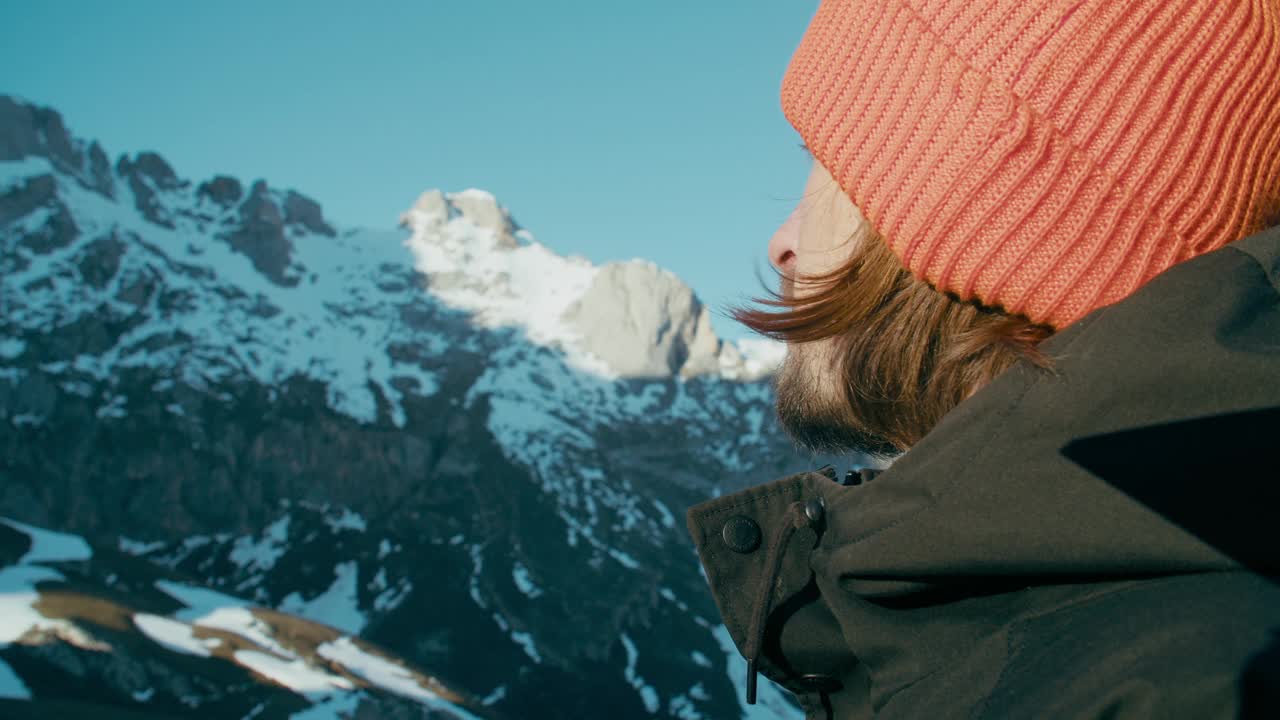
pixel 451 446
pixel 142 638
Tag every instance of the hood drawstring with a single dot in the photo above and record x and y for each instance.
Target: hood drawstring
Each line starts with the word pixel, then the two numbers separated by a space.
pixel 798 515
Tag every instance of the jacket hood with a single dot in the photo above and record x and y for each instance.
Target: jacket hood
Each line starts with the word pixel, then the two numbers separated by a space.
pixel 990 493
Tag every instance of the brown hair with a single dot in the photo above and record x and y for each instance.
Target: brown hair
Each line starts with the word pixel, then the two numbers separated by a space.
pixel 905 353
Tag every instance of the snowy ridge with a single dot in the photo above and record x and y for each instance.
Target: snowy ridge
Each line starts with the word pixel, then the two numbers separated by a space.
pixel 214 314
pixel 211 313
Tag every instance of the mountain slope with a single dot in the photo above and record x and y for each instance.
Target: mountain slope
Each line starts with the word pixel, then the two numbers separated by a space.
pixel 92 628
pixel 445 440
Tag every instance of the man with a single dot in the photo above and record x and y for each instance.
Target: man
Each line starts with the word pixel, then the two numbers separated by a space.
pixel 1033 261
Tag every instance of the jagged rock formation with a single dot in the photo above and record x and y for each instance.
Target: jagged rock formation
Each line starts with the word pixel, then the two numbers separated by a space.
pixel 477 206
pixel 644 322
pixel 396 434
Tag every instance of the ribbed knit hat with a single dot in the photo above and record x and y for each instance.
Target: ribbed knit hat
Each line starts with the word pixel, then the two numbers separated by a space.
pixel 1046 156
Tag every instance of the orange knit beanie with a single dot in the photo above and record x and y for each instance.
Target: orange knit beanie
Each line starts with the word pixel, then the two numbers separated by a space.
pixel 1046 156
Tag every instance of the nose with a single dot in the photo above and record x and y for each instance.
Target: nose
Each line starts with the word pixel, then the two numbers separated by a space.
pixel 782 246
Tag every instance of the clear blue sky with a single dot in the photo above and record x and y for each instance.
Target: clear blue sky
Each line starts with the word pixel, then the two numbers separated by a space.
pixel 609 129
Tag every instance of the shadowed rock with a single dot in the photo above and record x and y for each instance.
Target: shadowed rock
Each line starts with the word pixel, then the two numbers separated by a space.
pixel 304 211
pixel 100 259
pixel 27 130
pixel 40 192
pixel 261 235
pixel 222 190
pixel 154 167
pixel 147 175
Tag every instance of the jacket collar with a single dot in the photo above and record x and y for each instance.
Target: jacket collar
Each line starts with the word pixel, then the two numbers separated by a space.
pixel 988 501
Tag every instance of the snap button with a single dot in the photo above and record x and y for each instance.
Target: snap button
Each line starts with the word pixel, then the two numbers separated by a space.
pixel 817 682
pixel 741 534
pixel 814 509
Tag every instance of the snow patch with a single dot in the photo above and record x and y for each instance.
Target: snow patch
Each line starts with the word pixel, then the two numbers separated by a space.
pixel 212 609
pixel 525 584
pixel 260 554
pixel 525 641
pixel 648 695
pixel 175 635
pixel 664 514
pixel 294 674
pixel 18 596
pixel 762 356
pixel 11 348
pixel 772 702
pixel 48 546
pixel 345 520
pixel 339 606
pixel 383 673
pixel 137 547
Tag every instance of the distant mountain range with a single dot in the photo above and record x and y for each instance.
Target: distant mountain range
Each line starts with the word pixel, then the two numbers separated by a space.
pixel 256 465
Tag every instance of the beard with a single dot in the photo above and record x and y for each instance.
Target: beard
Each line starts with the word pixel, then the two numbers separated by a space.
pixel 812 406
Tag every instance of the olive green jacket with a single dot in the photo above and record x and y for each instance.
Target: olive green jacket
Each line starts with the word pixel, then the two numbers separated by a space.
pixel 989 574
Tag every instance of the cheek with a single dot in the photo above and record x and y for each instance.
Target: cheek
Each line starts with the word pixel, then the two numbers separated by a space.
pixel 821 249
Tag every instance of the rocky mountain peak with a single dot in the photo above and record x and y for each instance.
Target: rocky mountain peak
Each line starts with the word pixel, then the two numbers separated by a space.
pixel 645 322
pixel 30 131
pixel 302 210
pixel 480 207
pixel 151 166
pixel 222 190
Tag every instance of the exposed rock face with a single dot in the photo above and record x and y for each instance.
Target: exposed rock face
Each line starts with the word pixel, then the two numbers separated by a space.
pixel 222 190
pixel 148 175
pixel 261 235
pixel 27 130
pixel 26 196
pixel 478 206
pixel 100 178
pixel 100 260
pixel 482 209
pixel 433 203
pixel 300 209
pixel 57 228
pixel 644 322
pixel 156 169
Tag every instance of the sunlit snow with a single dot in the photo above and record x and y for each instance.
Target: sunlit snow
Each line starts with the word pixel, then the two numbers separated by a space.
pixel 175 635
pixel 294 674
pixel 383 673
